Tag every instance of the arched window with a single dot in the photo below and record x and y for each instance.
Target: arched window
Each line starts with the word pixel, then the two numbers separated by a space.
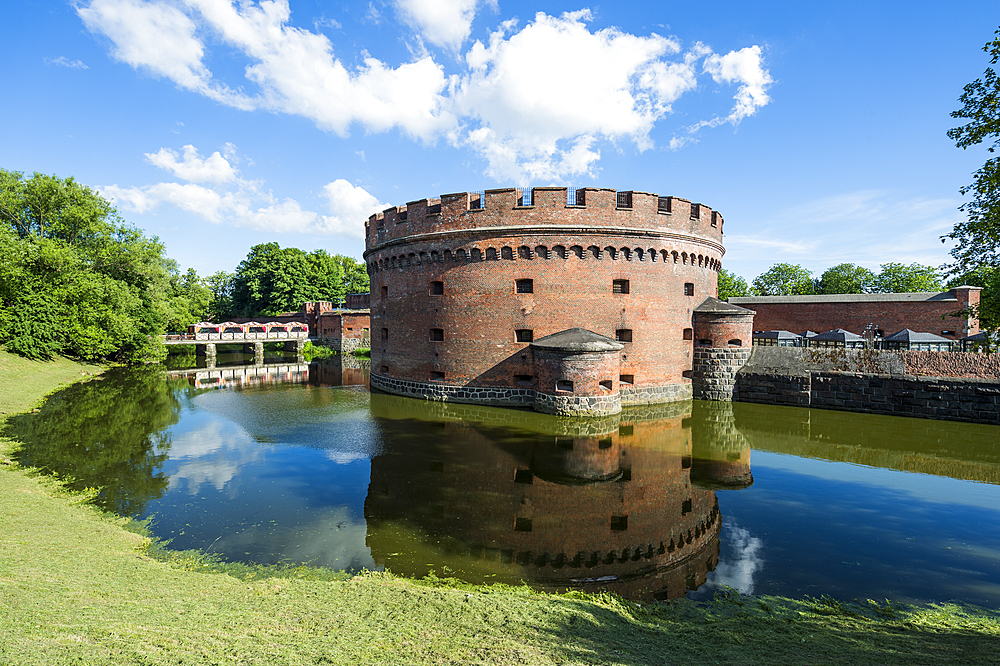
pixel 524 252
pixel 506 253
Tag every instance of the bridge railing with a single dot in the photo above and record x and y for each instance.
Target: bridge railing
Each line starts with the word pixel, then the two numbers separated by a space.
pixel 237 337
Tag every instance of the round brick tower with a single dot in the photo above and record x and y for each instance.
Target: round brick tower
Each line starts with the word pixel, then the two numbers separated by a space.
pixel 723 341
pixel 462 286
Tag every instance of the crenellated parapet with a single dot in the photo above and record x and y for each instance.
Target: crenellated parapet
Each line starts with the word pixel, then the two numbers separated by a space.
pixel 599 208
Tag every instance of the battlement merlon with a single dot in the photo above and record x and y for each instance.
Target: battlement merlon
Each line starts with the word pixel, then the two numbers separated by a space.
pixel 547 205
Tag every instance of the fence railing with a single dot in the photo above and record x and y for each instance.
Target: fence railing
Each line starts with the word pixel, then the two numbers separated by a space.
pixel 623 200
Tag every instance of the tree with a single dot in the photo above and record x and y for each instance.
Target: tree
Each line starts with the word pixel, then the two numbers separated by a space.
pixel 189 300
pixel 978 237
pixel 75 279
pixel 899 279
pixel 731 284
pixel 846 279
pixel 988 278
pixel 784 280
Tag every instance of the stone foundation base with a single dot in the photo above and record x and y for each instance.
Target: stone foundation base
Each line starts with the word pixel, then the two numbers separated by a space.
pixel 343 345
pixel 529 398
pixel 714 372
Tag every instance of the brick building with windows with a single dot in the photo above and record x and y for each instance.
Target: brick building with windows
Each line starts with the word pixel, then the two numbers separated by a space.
pixel 572 302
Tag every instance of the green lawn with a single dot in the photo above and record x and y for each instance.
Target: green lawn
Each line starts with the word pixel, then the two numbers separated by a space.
pixel 77 588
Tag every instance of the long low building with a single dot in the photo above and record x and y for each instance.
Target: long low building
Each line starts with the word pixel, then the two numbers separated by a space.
pixel 933 312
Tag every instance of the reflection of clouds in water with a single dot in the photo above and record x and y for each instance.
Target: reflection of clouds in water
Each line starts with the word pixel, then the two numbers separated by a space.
pixel 212 453
pixel 344 457
pixel 747 560
pixel 332 540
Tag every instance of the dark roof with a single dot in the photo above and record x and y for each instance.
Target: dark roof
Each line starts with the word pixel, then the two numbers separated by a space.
pixel 779 335
pixel 714 305
pixel 917 296
pixel 577 340
pixel 838 335
pixel 907 335
pixel 982 335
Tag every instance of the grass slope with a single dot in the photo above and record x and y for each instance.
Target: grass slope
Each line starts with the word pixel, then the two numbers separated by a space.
pixel 77 588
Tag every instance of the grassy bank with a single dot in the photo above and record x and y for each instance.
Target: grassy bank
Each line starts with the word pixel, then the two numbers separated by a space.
pixel 77 588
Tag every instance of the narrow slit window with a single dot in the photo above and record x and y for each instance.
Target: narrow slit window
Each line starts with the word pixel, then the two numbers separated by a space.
pixel 524 335
pixel 525 286
pixel 623 335
pixel 437 288
pixel 523 380
pixel 437 376
pixel 689 288
pixel 385 293
pixel 437 335
pixel 688 334
pixel 385 334
pixel 619 286
pixel 626 379
pixel 686 507
pixel 564 385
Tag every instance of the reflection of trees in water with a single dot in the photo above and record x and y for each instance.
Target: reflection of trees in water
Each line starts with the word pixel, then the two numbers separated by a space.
pixel 105 434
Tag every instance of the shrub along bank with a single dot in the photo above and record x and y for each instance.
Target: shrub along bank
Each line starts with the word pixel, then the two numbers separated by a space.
pixel 82 587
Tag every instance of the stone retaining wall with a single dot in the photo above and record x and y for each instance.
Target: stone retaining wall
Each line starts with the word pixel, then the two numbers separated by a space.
pixel 713 376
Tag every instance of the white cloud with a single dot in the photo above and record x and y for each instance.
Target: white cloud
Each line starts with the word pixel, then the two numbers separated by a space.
pixel 519 101
pixel 445 23
pixel 738 573
pixel 234 200
pixel 63 61
pixel 192 167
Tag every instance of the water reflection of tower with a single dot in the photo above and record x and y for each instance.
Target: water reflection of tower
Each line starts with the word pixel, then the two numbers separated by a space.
pixel 721 453
pixel 599 504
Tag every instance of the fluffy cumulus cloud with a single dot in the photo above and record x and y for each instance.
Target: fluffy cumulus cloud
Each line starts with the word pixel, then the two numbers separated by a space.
pixel 215 191
pixel 536 101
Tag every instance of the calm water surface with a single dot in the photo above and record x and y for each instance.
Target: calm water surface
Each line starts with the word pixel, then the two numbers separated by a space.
pixel 300 464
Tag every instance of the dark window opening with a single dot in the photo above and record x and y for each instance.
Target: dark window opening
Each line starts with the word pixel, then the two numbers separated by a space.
pixel 686 507
pixel 696 211
pixel 942 332
pixel 689 288
pixel 385 292
pixel 626 379
pixel 685 462
pixel 524 335
pixel 523 380
pixel 522 524
pixel 736 343
pixel 437 466
pixel 625 430
pixel 525 286
pixel 385 368
pixel 523 476
pixel 604 443
pixel 688 333
pixel 506 556
pixel 619 523
pixel 564 443
pixel 626 474
pixel 437 375
pixel 437 335
pixel 688 374
pixel 437 288
pixel 705 342
pixel 607 385
pixel 623 200
pixel 663 204
pixel 385 334
pixel 623 335
pixel 564 385
pixel 619 286
pixel 506 253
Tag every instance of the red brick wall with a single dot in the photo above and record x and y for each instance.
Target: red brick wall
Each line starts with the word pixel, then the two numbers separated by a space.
pixel 480 310
pixel 346 325
pixel 719 330
pixel 890 317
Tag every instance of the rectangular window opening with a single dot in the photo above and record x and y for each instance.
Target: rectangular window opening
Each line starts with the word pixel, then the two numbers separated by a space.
pixel 604 443
pixel 686 507
pixel 626 379
pixel 524 335
pixel 685 462
pixel 385 334
pixel 623 335
pixel 607 385
pixel 619 523
pixel 523 476
pixel 435 375
pixel 385 293
pixel 523 380
pixel 564 385
pixel 437 288
pixel 566 444
pixel 625 430
pixel 522 524
pixel 437 335
pixel 619 286
pixel 688 334
pixel 689 288
pixel 525 286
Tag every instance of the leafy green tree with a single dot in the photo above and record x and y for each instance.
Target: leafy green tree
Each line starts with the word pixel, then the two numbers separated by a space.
pixel 189 300
pixel 846 279
pixel 784 280
pixel 899 279
pixel 731 284
pixel 220 284
pixel 988 278
pixel 75 279
pixel 978 237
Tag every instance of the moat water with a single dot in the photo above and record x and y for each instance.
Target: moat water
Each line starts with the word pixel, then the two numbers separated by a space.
pixel 299 463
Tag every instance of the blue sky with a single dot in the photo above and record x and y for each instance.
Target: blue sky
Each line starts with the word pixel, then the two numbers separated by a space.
pixel 816 129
